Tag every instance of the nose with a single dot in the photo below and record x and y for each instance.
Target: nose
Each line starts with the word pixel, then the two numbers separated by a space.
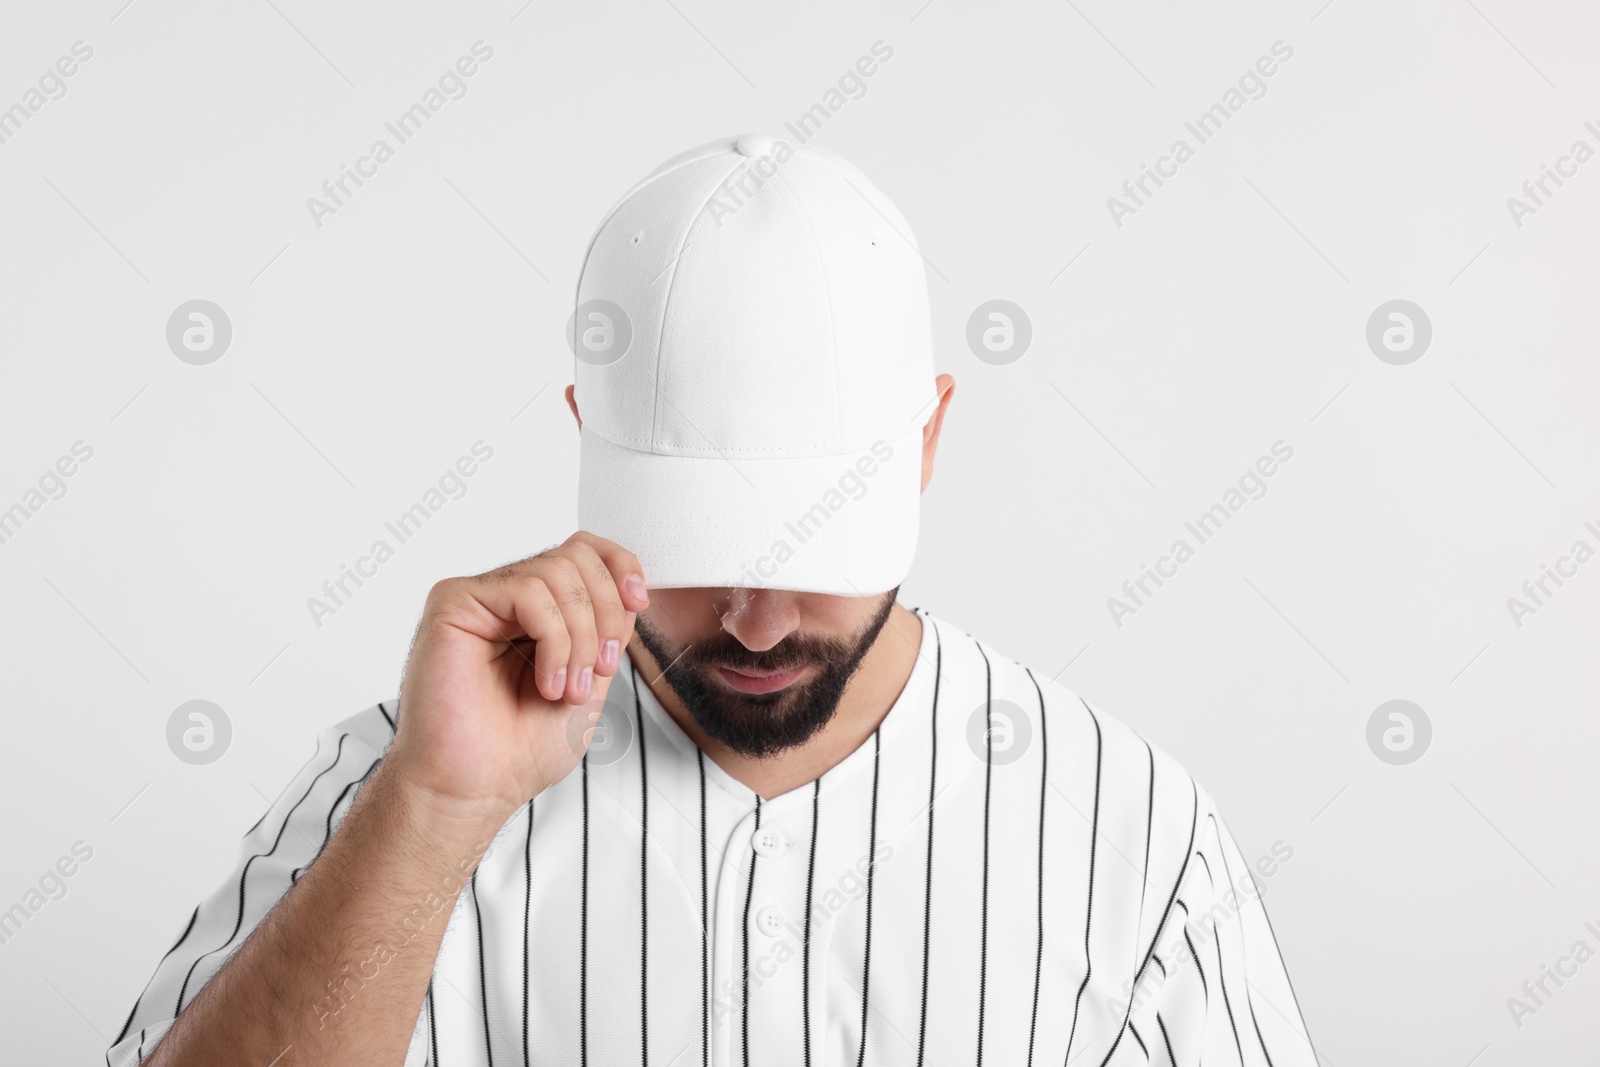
pixel 760 618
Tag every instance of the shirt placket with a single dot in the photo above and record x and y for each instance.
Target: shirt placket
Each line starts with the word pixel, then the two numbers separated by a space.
pixel 760 922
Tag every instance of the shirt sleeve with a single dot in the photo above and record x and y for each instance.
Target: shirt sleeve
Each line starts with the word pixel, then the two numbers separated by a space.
pixel 1215 988
pixel 272 857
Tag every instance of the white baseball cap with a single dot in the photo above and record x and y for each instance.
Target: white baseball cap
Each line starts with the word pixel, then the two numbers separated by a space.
pixel 754 368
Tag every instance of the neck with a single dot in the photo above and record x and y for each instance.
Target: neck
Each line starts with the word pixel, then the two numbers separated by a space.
pixel 867 698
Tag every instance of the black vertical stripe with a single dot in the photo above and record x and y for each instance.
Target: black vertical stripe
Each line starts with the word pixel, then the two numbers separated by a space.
pixel 433 1030
pixel 583 928
pixel 187 930
pixel 1249 1003
pixel 483 971
pixel 527 911
pixel 1194 827
pixel 264 815
pixel 1138 973
pixel 872 864
pixel 1088 918
pixel 1142 1046
pixel 1150 811
pixel 927 886
pixel 1222 981
pixel 1205 987
pixel 1166 1040
pixel 1222 976
pixel 805 948
pixel 744 971
pixel 1149 825
pixel 700 757
pixel 1044 778
pixel 135 1009
pixel 1257 1025
pixel 983 897
pixel 386 717
pixel 644 885
pixel 244 874
pixel 1284 969
pixel 327 833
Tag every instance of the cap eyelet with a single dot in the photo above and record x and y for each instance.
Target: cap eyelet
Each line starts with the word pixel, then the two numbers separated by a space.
pixel 638 236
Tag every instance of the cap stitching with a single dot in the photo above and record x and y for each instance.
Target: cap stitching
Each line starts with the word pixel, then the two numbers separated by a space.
pixel 710 451
pixel 666 304
pixel 710 150
pixel 827 285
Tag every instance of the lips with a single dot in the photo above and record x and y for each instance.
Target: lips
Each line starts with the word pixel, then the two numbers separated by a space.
pixel 755 682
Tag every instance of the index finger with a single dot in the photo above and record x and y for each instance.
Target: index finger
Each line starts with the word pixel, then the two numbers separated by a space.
pixel 624 567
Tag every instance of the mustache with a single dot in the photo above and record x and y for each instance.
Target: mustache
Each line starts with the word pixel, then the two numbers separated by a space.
pixel 796 650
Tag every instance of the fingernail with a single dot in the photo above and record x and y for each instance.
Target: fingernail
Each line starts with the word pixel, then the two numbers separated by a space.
pixel 609 652
pixel 585 682
pixel 559 681
pixel 633 585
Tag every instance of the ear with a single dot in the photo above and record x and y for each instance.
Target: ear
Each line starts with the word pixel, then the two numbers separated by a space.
pixel 946 388
pixel 572 403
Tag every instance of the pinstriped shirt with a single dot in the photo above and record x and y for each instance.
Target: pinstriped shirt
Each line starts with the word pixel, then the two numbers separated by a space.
pixel 1001 873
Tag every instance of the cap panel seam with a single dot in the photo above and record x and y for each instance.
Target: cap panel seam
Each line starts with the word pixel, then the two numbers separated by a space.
pixel 583 269
pixel 616 207
pixel 666 304
pixel 827 283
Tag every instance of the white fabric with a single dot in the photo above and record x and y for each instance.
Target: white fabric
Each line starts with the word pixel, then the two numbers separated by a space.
pixel 779 313
pixel 842 524
pixel 1031 894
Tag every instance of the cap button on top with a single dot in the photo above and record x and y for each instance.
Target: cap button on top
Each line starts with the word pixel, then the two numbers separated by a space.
pixel 754 145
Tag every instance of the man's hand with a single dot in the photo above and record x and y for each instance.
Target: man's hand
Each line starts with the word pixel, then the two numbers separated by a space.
pixel 507 675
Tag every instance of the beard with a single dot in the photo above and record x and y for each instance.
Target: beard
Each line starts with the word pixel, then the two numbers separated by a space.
pixel 762 725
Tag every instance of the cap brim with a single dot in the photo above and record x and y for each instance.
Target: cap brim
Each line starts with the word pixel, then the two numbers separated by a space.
pixel 841 524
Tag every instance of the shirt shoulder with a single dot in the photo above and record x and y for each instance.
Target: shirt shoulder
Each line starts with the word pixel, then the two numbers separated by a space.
pixel 272 856
pixel 1138 798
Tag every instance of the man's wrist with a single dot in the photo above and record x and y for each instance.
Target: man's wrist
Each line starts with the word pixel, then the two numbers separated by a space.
pixel 437 830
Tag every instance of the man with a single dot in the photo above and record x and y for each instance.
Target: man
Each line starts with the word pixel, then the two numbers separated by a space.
pixel 796 823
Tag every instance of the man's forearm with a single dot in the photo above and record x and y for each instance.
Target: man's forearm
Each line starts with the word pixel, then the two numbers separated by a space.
pixel 338 969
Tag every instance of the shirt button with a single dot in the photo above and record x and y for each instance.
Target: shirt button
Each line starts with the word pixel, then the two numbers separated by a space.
pixel 768 842
pixel 769 920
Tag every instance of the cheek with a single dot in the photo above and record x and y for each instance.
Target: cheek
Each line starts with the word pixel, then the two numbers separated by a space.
pixel 678 617
pixel 836 613
pixel 841 616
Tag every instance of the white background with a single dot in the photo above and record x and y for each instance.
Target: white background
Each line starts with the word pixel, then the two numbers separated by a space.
pixel 1228 313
